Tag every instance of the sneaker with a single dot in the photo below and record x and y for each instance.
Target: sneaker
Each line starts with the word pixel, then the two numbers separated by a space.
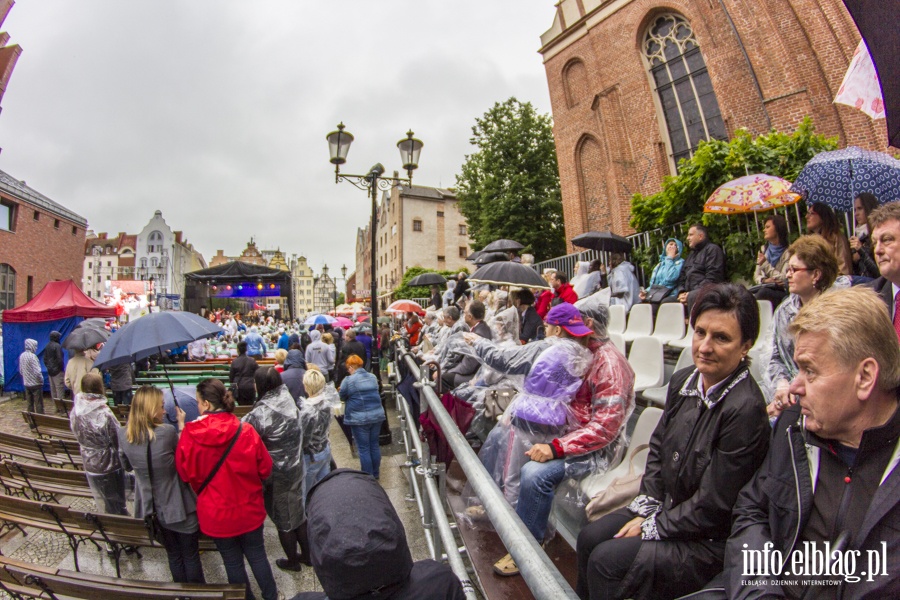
pixel 286 565
pixel 476 513
pixel 506 567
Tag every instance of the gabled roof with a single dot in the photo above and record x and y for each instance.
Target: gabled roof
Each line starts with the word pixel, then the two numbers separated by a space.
pixel 421 191
pixel 20 191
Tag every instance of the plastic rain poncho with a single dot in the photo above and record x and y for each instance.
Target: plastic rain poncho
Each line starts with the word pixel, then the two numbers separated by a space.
pixel 624 286
pixel 584 283
pixel 778 361
pixel 96 429
pixel 315 419
pixel 554 369
pixel 276 419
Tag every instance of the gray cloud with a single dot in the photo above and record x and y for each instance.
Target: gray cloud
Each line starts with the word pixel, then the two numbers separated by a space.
pixel 216 112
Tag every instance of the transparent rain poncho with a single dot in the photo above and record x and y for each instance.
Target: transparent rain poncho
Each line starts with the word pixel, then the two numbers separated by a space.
pixel 96 429
pixel 553 372
pixel 276 419
pixel 315 418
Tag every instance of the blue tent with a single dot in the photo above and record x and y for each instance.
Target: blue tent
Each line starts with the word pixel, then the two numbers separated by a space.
pixel 60 306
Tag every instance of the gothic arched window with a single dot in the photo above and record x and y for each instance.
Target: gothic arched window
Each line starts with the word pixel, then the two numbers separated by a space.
pixel 685 91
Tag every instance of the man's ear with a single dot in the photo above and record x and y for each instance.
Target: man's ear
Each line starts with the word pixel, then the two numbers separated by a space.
pixel 867 378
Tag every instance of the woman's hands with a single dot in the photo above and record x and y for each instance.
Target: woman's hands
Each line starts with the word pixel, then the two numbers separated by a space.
pixel 179 416
pixel 782 399
pixel 631 529
pixel 540 453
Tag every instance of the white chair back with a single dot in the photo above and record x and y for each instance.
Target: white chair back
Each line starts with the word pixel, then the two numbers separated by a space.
pixel 616 319
pixel 646 358
pixel 684 342
pixel 618 341
pixel 640 322
pixel 669 322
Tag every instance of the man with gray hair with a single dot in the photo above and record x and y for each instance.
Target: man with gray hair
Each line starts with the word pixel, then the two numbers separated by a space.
pixel 829 483
pixel 885 237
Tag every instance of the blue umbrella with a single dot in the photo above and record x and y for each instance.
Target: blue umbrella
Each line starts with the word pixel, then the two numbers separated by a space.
pixel 836 178
pixel 319 320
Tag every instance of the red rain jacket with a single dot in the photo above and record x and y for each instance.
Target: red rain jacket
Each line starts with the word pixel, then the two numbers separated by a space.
pixel 232 503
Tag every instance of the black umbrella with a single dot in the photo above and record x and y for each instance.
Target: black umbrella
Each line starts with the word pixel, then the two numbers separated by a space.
pixel 509 273
pixel 490 257
pixel 85 335
pixel 427 279
pixel 474 256
pixel 153 334
pixel 503 246
pixel 602 241
pixel 876 21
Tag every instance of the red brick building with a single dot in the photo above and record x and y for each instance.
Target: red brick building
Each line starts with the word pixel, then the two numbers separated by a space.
pixel 40 241
pixel 637 84
pixel 8 54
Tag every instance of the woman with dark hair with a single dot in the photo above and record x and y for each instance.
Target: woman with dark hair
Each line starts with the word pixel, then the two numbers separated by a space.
pixel 864 265
pixel 363 413
pixel 711 439
pixel 771 262
pixel 226 462
pixel 147 446
pixel 820 219
pixel 276 419
pixel 241 375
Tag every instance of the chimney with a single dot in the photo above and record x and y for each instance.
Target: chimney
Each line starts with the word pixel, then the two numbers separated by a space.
pixel 102 235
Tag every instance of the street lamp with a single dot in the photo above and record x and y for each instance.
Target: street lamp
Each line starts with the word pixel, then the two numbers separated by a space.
pixel 339 146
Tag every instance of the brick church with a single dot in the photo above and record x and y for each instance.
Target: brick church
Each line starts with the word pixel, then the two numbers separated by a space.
pixel 635 85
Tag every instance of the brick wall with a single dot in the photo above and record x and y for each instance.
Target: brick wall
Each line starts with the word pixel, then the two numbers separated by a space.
pixel 607 117
pixel 41 250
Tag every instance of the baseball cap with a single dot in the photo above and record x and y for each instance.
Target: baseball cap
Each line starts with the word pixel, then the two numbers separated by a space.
pixel 567 316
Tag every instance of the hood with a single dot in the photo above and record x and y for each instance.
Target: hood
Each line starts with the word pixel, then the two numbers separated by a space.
pixel 31 345
pixel 677 243
pixel 54 336
pixel 294 338
pixel 354 552
pixel 626 265
pixel 254 329
pixel 315 335
pixel 214 430
pixel 294 360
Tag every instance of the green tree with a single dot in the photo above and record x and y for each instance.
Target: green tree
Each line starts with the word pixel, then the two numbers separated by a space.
pixel 340 299
pixel 404 291
pixel 714 163
pixel 509 187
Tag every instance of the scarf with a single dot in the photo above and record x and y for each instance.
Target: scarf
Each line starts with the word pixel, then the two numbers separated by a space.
pixel 773 253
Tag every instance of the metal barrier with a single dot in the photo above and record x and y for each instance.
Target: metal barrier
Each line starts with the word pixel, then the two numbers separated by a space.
pixel 540 574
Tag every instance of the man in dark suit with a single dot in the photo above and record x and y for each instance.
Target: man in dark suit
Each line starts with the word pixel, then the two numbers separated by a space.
pixel 530 323
pixel 469 365
pixel 884 222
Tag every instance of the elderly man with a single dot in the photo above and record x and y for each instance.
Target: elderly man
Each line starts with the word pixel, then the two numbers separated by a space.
pixel 468 366
pixel 829 481
pixel 705 264
pixel 885 224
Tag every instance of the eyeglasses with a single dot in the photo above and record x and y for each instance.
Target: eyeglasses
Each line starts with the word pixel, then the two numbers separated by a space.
pixel 791 269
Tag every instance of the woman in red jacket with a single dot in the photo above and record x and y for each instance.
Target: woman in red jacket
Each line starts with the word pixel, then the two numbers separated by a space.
pixel 230 491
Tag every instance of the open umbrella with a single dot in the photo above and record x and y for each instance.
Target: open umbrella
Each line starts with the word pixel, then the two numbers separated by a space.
pixel 343 322
pixel 509 273
pixel 319 320
pixel 835 178
pixel 401 306
pixel 85 335
pixel 603 241
pixel 474 256
pixel 751 193
pixel 861 88
pixel 503 246
pixel 490 257
pixel 427 279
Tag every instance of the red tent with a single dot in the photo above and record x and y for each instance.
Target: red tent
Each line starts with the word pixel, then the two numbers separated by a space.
pixel 58 300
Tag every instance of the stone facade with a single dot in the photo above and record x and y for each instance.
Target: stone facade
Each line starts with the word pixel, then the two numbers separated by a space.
pixel 769 64
pixel 107 259
pixel 40 241
pixel 302 279
pixel 165 256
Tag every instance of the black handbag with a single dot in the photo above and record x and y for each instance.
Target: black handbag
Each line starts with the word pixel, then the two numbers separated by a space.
pixel 657 293
pixel 151 519
pixel 496 401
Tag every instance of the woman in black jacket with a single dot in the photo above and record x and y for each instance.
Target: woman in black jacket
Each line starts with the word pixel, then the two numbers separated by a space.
pixel 243 368
pixel 710 441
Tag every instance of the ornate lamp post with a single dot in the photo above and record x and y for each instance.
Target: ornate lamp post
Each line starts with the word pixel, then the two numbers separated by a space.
pixel 339 145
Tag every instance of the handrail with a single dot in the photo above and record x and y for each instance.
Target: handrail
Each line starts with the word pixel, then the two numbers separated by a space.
pixel 540 574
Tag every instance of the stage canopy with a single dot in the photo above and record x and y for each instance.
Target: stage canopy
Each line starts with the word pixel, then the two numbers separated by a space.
pixel 236 280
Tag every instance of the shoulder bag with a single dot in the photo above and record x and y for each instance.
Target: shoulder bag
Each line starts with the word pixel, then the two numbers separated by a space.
pixel 620 492
pixel 151 519
pixel 496 401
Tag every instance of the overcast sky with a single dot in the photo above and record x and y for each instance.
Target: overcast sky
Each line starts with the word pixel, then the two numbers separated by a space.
pixel 215 112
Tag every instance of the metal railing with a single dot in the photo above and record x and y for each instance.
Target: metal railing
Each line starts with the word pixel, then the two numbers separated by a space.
pixel 540 574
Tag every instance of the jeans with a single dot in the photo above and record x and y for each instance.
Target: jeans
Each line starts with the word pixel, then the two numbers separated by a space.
pixel 58 386
pixel 183 551
pixel 250 544
pixel 538 484
pixel 123 398
pixel 316 467
pixel 366 438
pixel 34 395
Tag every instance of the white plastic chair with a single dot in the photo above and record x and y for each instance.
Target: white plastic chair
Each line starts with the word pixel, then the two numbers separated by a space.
pixel 684 342
pixel 763 340
pixel 646 358
pixel 618 341
pixel 658 395
pixel 643 430
pixel 669 322
pixel 640 322
pixel 616 319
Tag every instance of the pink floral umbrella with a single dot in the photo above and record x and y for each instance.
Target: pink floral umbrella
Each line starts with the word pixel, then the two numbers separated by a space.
pixel 751 193
pixel 342 322
pixel 861 87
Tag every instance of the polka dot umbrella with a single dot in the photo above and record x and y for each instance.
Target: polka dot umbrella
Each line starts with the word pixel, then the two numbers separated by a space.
pixel 835 178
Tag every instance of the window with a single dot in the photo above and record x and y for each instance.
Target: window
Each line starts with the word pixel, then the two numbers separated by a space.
pixel 7 286
pixel 109 263
pixel 441 258
pixel 394 230
pixel 37 215
pixel 144 263
pixel 440 213
pixel 74 230
pixel 463 252
pixel 417 225
pixel 463 230
pixel 98 279
pixel 29 288
pixel 55 223
pixel 154 262
pixel 154 242
pixel 678 72
pixel 90 265
pixel 7 216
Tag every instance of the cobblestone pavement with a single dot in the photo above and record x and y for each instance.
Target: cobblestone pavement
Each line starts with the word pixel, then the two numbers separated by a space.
pixel 52 550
